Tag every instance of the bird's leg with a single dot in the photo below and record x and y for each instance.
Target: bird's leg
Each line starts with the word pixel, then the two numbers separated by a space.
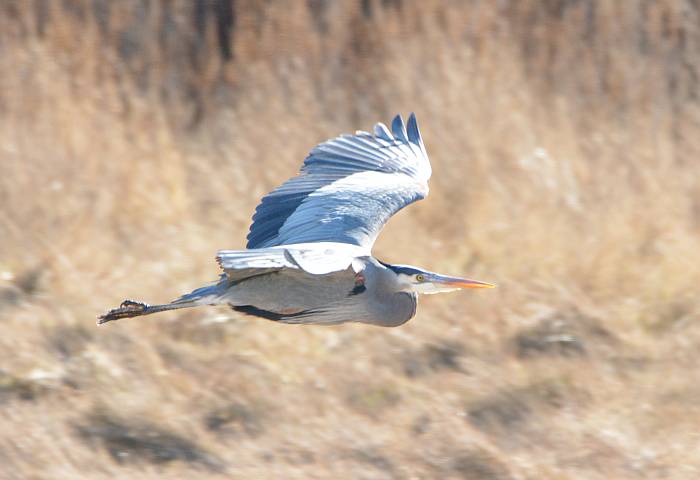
pixel 127 309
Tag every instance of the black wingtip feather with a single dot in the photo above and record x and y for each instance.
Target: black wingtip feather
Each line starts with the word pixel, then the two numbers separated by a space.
pixel 398 128
pixel 413 131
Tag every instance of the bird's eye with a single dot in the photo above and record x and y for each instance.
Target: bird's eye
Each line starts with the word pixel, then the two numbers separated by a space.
pixel 420 277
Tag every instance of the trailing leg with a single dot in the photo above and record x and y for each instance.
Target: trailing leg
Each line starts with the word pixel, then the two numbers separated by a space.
pixel 208 295
pixel 129 309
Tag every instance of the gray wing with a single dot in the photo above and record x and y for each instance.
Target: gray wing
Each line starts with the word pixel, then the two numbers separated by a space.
pixel 347 189
pixel 313 258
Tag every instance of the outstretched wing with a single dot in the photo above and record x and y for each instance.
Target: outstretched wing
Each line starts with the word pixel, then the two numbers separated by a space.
pixel 347 189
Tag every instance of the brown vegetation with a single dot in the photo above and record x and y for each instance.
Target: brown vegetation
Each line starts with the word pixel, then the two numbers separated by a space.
pixel 136 138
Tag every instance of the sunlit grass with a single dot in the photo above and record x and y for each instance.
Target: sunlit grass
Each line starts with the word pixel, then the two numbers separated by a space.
pixel 564 144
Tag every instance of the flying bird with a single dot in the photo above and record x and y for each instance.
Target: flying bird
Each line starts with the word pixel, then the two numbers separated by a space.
pixel 309 252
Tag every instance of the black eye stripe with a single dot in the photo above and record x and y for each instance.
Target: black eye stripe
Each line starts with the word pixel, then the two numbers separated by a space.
pixel 407 270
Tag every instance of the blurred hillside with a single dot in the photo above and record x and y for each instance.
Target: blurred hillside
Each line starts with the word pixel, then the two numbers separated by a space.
pixel 136 138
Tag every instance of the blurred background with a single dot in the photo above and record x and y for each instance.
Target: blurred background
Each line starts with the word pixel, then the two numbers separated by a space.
pixel 136 138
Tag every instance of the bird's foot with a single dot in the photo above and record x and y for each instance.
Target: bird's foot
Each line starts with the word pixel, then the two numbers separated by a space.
pixel 127 309
pixel 359 279
pixel 359 285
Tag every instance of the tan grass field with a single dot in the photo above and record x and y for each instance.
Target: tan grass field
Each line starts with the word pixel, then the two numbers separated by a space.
pixel 137 137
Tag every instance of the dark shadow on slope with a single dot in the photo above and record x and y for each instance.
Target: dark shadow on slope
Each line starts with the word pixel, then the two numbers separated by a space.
pixel 139 441
pixel 235 419
pixel 513 415
pixel 17 388
pixel 478 465
pixel 562 334
pixel 432 358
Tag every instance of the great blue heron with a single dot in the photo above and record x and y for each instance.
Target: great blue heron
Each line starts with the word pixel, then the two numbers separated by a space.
pixel 308 257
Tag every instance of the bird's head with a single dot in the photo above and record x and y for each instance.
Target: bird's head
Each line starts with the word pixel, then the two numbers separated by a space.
pixel 414 279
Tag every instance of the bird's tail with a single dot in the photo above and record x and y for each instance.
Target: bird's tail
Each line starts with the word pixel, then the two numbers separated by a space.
pixel 202 296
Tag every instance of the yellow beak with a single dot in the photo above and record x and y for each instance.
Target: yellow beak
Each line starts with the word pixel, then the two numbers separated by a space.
pixel 464 283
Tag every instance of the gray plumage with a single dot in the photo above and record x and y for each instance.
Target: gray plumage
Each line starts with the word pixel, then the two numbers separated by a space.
pixel 309 246
pixel 346 190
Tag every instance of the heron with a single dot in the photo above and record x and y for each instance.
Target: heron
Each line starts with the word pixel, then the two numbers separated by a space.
pixel 308 258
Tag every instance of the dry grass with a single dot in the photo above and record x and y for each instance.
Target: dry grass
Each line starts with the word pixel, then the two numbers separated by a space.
pixel 137 137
